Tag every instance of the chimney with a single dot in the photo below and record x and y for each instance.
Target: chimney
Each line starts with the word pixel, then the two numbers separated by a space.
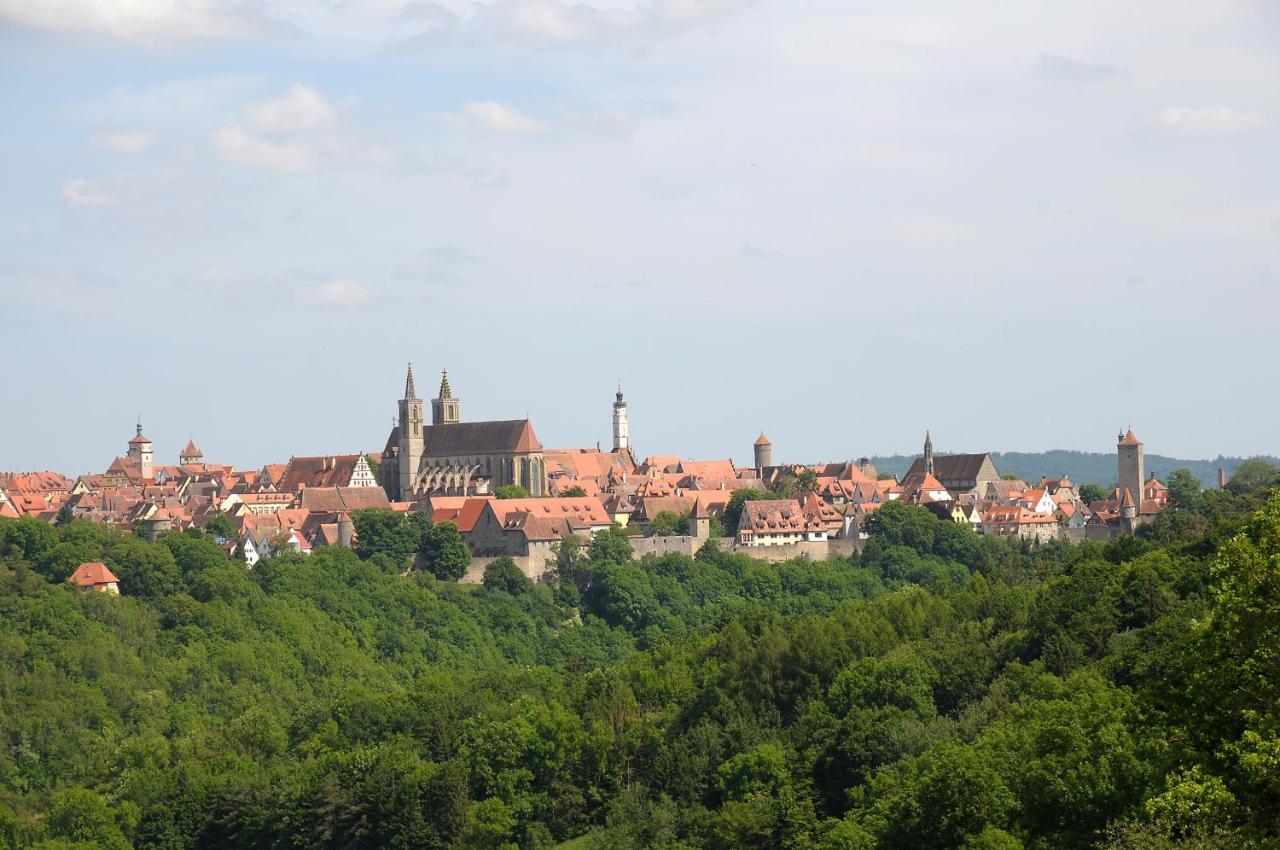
pixel 1222 478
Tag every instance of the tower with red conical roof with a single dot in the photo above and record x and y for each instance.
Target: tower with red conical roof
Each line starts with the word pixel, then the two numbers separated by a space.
pixel 1130 457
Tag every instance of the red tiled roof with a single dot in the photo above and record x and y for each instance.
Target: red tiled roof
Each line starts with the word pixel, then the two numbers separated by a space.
pixel 1130 440
pixel 92 574
pixel 464 515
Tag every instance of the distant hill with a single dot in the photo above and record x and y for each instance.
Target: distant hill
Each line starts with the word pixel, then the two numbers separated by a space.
pixel 1081 467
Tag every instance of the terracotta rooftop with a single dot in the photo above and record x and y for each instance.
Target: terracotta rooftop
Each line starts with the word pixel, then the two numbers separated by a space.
pixel 92 574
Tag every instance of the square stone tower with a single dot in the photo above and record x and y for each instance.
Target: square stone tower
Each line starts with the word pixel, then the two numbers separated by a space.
pixel 1129 458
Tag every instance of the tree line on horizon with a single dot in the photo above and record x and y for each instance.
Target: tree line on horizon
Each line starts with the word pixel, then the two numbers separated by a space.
pixel 1098 468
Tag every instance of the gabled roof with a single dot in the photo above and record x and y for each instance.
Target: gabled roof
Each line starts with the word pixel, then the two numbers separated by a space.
pixel 92 574
pixel 479 438
pixel 339 499
pixel 322 471
pixel 464 515
pixel 191 449
pixel 953 467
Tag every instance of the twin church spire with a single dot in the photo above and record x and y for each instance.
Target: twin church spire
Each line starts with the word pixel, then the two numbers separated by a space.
pixel 445 409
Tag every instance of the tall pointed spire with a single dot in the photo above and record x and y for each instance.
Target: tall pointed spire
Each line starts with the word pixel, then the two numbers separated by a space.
pixel 445 391
pixel 139 424
pixel 928 453
pixel 409 391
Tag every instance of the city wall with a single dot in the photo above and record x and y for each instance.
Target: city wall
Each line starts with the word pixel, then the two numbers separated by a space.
pixel 542 558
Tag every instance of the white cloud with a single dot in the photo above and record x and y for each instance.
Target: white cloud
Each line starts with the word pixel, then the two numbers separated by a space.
pixel 126 143
pixel 339 292
pixel 288 157
pixel 81 193
pixel 142 18
pixel 300 108
pixel 1208 121
pixel 500 117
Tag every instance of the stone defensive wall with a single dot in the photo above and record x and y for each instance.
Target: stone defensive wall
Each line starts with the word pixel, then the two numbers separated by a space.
pixel 537 564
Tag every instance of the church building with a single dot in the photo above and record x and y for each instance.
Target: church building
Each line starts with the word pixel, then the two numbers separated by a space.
pixel 959 474
pixel 456 458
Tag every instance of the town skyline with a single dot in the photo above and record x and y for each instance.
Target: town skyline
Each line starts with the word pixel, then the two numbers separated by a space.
pixel 106 442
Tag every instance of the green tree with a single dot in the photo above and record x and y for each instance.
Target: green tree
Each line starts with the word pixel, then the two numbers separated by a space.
pixel 806 483
pixel 1252 476
pixel 1184 489
pixel 444 552
pixel 64 517
pixel 28 536
pixel 894 523
pixel 503 574
pixel 610 546
pixel 511 491
pixel 220 526
pixel 1090 493
pixel 144 569
pixel 79 815
pixel 386 532
pixel 574 492
pixel 490 825
pixel 668 524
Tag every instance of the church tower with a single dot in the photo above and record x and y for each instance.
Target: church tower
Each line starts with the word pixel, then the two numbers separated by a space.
pixel 1130 456
pixel 412 438
pixel 140 451
pixel 621 428
pixel 445 410
pixel 928 454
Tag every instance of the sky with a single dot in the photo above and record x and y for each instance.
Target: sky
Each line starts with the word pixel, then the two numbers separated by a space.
pixel 1022 226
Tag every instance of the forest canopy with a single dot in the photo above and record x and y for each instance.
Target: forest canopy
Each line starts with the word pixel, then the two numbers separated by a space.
pixel 941 690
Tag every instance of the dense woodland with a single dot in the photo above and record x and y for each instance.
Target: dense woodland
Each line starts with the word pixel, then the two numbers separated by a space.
pixel 942 690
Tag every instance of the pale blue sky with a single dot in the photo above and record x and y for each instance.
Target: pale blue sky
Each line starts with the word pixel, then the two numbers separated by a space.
pixel 1020 225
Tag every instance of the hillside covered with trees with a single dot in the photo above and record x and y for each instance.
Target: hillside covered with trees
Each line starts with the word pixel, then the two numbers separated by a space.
pixel 942 690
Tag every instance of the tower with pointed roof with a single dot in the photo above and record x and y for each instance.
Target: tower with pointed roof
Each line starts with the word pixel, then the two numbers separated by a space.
pixel 699 520
pixel 446 410
pixel 412 438
pixel 763 451
pixel 1130 457
pixel 140 452
pixel 928 453
pixel 191 455
pixel 621 427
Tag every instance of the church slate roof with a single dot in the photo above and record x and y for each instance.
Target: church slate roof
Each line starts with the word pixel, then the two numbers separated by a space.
pixel 478 438
pixel 952 467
